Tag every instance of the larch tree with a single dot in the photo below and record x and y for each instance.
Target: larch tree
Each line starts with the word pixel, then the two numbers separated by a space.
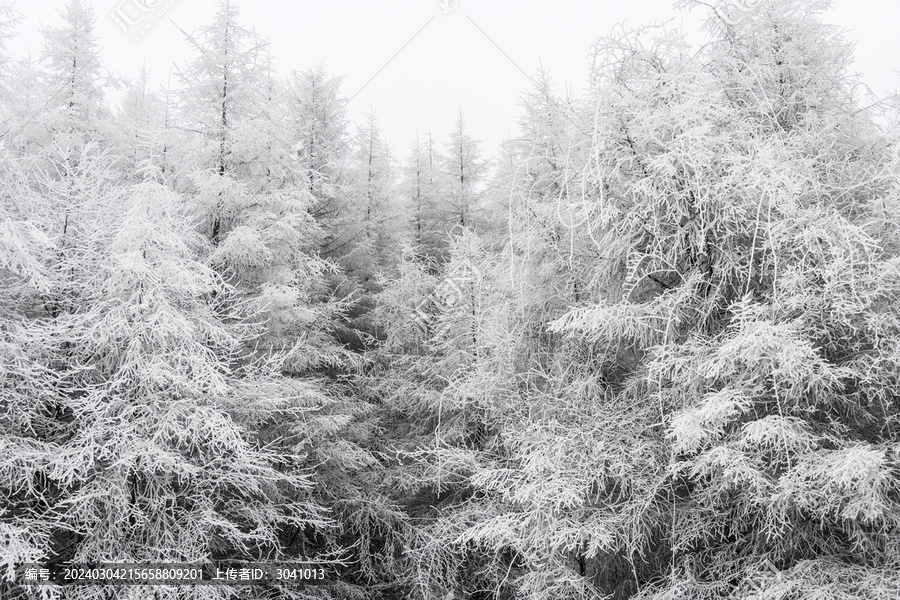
pixel 317 124
pixel 162 416
pixel 254 201
pixel 465 171
pixel 536 184
pixel 139 135
pixel 422 187
pixel 142 429
pixel 746 327
pixel 715 413
pixel 369 233
pixel 25 107
pixel 74 80
pixel 8 21
pixel 219 86
pixel 249 194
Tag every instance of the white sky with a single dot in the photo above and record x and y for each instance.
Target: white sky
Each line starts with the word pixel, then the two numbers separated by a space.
pixel 449 64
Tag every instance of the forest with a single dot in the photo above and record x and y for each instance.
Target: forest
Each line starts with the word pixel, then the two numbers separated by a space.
pixel 648 348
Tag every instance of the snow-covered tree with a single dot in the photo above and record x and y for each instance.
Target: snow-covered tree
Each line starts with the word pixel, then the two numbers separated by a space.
pixel 542 204
pixel 8 20
pixel 138 426
pixel 317 125
pixel 744 320
pixel 714 413
pixel 249 194
pixel 140 130
pixel 220 86
pixel 368 234
pixel 465 171
pixel 74 81
pixel 25 107
pixel 422 190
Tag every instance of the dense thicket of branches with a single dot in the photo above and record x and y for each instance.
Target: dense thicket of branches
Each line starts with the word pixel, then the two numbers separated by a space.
pixel 649 351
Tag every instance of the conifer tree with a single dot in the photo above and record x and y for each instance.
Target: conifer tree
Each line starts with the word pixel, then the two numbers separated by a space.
pixel 743 308
pixel 74 82
pixel 317 124
pixel 139 423
pixel 423 193
pixel 712 416
pixel 370 230
pixel 465 171
pixel 141 123
pixel 8 20
pixel 249 194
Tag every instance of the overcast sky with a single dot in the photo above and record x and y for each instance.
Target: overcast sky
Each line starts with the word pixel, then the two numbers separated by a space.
pixel 473 55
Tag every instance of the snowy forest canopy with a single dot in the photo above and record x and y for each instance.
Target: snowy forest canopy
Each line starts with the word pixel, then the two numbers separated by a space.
pixel 650 350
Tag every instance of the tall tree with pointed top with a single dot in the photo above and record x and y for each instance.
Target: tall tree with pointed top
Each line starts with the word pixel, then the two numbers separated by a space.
pixel 423 189
pixel 141 120
pixel 74 80
pixel 317 124
pixel 465 171
pixel 370 231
